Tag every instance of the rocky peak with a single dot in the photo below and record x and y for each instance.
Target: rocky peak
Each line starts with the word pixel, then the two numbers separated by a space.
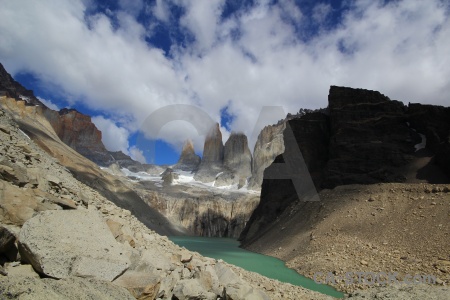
pixel 213 148
pixel 237 155
pixel 189 161
pixel 212 160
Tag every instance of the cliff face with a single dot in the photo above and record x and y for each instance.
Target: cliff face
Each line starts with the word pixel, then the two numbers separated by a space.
pixel 268 146
pixel 311 133
pixel 364 138
pixel 237 155
pixel 237 161
pixel 78 132
pixel 189 161
pixel 212 160
pixel 201 212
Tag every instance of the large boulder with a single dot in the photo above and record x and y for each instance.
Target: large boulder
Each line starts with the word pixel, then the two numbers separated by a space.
pixel 189 161
pixel 17 205
pixel 61 244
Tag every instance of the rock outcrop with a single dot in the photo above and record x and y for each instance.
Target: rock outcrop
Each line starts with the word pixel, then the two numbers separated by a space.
pixel 237 161
pixel 78 132
pixel 212 159
pixel 268 146
pixel 363 138
pixel 12 89
pixel 189 161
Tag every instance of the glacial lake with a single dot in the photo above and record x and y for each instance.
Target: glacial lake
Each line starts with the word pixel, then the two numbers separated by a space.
pixel 228 250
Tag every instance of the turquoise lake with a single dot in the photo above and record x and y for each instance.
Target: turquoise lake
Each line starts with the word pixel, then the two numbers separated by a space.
pixel 228 250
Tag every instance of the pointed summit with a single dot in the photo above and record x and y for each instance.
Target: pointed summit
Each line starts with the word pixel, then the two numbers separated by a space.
pixel 213 148
pixel 189 161
pixel 212 160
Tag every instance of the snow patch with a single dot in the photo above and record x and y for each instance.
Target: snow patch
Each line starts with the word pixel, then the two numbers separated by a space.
pixel 184 177
pixel 141 176
pixel 25 134
pixel 422 144
pixel 24 98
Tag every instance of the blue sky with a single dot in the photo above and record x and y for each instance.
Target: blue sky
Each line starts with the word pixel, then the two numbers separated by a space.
pixel 120 61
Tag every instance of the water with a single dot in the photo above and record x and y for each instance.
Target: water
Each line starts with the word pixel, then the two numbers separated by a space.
pixel 228 250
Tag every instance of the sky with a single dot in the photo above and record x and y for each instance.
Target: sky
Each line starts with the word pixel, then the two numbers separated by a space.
pixel 124 61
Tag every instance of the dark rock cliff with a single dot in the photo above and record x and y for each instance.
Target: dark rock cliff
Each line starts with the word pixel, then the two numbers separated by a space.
pixel 12 89
pixel 363 138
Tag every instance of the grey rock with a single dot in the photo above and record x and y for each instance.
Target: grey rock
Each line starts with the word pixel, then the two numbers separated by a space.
pixel 237 156
pixel 61 244
pixel 189 161
pixel 168 176
pixel 140 284
pixel 21 270
pixel 269 145
pixel 192 289
pixel 7 240
pixel 73 288
pixel 212 160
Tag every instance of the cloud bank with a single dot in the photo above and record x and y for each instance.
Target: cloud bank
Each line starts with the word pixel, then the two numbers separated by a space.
pixel 259 54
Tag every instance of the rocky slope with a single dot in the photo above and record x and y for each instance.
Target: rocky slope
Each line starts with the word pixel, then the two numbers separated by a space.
pixel 387 227
pixel 62 239
pixel 32 121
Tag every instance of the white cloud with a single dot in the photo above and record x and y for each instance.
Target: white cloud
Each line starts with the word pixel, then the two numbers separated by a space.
pixel 49 103
pixel 321 11
pixel 137 154
pixel 114 138
pixel 399 48
pixel 161 10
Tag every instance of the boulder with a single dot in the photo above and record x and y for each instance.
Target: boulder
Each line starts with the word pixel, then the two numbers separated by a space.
pixel 21 270
pixel 68 243
pixel 7 243
pixel 189 161
pixel 7 240
pixel 168 176
pixel 192 289
pixel 17 205
pixel 142 285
